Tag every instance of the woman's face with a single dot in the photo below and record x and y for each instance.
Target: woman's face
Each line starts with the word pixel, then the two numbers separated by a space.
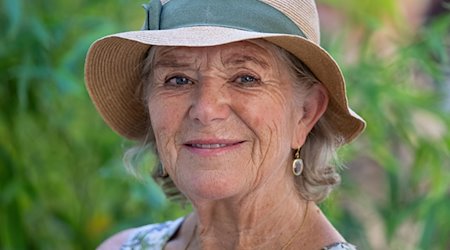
pixel 225 118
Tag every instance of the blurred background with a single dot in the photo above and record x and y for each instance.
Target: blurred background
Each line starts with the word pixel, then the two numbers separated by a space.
pixel 62 181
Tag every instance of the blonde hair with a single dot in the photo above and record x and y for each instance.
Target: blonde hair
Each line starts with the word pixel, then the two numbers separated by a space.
pixel 319 176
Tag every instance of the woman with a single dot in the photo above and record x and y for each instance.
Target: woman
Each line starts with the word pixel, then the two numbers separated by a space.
pixel 244 110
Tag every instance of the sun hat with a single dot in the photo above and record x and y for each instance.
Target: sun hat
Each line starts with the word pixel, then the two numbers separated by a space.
pixel 113 63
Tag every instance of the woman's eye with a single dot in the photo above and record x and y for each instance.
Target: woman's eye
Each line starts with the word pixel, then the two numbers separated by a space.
pixel 247 80
pixel 178 81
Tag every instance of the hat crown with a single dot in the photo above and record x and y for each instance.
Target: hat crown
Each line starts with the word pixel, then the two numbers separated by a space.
pixel 301 12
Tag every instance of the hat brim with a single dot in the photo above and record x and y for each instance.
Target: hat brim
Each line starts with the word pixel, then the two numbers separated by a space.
pixel 113 73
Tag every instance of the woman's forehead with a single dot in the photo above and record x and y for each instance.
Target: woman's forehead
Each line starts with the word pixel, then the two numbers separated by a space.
pixel 258 52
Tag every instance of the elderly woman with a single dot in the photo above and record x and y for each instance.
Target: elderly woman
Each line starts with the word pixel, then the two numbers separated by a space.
pixel 244 111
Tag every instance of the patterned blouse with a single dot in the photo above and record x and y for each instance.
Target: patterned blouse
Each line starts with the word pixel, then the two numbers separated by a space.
pixel 156 236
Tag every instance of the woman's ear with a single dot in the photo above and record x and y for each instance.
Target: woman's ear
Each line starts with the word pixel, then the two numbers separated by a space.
pixel 314 105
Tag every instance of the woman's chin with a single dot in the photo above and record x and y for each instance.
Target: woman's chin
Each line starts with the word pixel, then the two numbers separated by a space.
pixel 212 187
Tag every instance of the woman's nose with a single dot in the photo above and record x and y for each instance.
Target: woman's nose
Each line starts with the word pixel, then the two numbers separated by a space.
pixel 210 102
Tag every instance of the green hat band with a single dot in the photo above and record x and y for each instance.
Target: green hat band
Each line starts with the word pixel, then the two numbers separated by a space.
pixel 250 15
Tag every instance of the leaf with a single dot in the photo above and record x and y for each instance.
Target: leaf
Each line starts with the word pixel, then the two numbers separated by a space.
pixel 13 10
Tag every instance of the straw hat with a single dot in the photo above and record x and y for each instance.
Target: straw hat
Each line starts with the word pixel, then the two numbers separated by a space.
pixel 113 63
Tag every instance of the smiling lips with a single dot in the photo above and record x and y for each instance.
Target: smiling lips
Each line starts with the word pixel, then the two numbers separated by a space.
pixel 212 146
pixel 209 146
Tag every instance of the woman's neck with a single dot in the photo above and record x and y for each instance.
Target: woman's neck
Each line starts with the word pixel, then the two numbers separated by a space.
pixel 263 220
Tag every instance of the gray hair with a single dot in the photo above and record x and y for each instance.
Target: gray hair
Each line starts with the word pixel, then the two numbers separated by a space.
pixel 319 176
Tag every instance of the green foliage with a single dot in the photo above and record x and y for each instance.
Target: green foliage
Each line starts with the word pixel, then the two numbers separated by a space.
pixel 61 178
pixel 365 12
pixel 62 183
pixel 403 97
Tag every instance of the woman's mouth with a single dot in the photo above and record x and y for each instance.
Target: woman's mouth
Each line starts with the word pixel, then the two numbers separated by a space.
pixel 209 146
pixel 212 148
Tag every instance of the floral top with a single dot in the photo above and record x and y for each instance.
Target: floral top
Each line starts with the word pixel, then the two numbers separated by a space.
pixel 156 236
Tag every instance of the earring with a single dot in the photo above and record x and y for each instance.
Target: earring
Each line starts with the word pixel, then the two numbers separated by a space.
pixel 162 171
pixel 297 164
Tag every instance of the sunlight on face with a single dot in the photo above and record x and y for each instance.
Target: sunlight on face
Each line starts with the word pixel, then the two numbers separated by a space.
pixel 223 118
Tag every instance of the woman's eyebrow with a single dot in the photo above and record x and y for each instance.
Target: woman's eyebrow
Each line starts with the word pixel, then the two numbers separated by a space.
pixel 166 58
pixel 240 59
pixel 168 63
pixel 169 60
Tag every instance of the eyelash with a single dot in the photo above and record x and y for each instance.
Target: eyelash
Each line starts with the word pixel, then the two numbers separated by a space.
pixel 254 80
pixel 175 78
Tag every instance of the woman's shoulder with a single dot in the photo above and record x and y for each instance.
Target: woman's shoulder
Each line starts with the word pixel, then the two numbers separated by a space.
pixel 117 240
pixel 340 246
pixel 152 236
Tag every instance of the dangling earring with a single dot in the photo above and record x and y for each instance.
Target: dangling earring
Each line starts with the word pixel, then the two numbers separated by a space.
pixel 297 164
pixel 162 171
